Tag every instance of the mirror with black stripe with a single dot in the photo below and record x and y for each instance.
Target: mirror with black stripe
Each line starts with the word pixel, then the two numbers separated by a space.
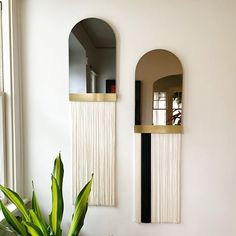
pixel 158 128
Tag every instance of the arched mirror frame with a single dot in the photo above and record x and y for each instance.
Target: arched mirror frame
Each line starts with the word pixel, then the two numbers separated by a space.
pixel 93 120
pixel 96 96
pixel 157 165
pixel 150 128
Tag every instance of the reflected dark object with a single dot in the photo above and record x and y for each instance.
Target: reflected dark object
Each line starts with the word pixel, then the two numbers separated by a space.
pixel 110 86
pixel 92 57
pixel 137 102
pixel 158 99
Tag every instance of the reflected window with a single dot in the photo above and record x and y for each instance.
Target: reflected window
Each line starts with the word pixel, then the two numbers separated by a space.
pixel 167 100
pixel 159 108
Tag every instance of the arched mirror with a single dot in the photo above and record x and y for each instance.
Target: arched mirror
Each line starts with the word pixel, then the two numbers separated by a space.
pixel 92 60
pixel 92 80
pixel 158 127
pixel 158 90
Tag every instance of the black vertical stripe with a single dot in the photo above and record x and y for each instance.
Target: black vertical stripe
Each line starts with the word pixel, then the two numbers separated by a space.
pixel 137 102
pixel 146 178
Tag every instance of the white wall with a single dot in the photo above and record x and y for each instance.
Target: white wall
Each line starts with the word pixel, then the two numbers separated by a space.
pixel 77 66
pixel 202 34
pixel 102 60
pixel 105 66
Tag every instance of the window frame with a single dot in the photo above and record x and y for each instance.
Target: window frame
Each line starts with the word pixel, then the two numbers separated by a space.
pixel 2 142
pixel 12 96
pixel 156 108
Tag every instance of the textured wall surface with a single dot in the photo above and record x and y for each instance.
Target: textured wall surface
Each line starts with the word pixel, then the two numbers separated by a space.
pixel 202 34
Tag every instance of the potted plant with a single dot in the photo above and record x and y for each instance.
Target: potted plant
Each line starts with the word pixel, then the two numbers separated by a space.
pixel 32 222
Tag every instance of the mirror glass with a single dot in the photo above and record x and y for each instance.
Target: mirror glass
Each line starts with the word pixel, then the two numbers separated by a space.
pixel 158 89
pixel 92 57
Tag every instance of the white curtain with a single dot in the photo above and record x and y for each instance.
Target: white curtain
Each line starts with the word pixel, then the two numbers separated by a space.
pixel 93 150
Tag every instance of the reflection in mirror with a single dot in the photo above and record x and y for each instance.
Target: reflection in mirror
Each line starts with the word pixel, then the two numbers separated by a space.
pixel 92 57
pixel 158 89
pixel 167 100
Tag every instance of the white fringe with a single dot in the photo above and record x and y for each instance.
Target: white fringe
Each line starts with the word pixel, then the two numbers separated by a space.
pixel 165 183
pixel 137 197
pixel 93 150
pixel 165 178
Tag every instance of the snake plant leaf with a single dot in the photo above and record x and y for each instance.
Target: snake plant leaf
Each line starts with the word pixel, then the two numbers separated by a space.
pixel 58 173
pixel 37 221
pixel 12 220
pixel 5 228
pixel 55 217
pixel 36 208
pixel 81 206
pixel 58 170
pixel 32 229
pixel 17 201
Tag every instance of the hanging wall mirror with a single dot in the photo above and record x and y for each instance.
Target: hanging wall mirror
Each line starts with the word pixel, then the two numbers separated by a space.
pixel 158 127
pixel 92 61
pixel 158 91
pixel 92 85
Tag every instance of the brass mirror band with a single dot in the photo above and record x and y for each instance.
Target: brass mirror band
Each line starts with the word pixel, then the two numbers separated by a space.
pixel 93 97
pixel 158 129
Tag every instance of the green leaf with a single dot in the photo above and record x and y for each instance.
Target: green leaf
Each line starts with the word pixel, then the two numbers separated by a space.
pixel 55 217
pixel 12 220
pixel 58 173
pixel 81 206
pixel 17 201
pixel 33 229
pixel 37 221
pixel 4 227
pixel 36 208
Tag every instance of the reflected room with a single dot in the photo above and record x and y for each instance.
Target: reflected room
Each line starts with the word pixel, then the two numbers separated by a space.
pixel 158 89
pixel 92 57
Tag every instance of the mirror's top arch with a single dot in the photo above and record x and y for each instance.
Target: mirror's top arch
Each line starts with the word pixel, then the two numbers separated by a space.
pixel 92 59
pixel 158 89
